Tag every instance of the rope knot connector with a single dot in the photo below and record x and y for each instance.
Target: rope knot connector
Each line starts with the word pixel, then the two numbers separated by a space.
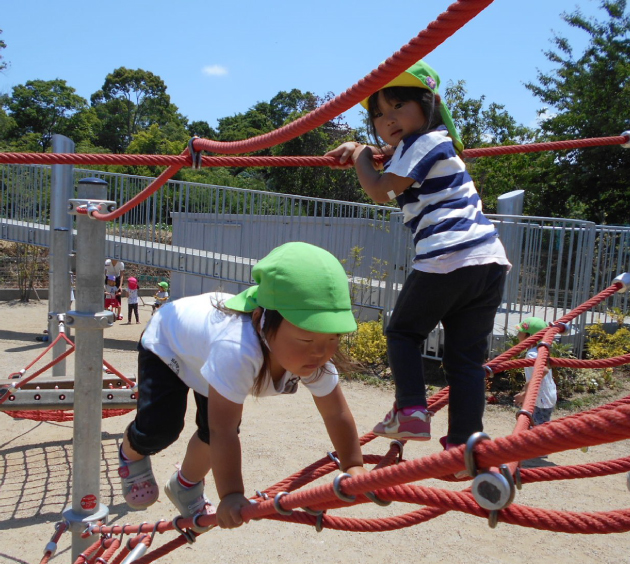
pixel 626 134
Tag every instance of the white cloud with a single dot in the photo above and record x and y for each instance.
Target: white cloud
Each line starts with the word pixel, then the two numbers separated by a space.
pixel 214 70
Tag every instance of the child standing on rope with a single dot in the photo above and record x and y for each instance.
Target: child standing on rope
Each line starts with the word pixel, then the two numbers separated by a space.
pixel 264 342
pixel 459 266
pixel 547 393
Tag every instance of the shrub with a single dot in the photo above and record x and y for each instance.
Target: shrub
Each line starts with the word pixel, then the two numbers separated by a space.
pixel 368 346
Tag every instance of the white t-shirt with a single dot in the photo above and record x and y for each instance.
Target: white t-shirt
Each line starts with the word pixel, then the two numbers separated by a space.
pixel 133 296
pixel 114 270
pixel 547 395
pixel 205 346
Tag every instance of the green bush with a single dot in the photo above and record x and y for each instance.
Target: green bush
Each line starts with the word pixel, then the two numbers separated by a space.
pixel 367 344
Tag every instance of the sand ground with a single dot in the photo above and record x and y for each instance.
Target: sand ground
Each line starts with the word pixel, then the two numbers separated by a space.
pixel 279 436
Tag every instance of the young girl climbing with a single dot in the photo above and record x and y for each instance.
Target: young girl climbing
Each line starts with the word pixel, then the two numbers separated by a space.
pixel 459 266
pixel 263 341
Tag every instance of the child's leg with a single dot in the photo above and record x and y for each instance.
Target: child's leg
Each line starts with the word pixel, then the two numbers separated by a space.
pixel 161 407
pixel 196 463
pixel 542 415
pixel 129 310
pixel 135 310
pixel 419 308
pixel 466 331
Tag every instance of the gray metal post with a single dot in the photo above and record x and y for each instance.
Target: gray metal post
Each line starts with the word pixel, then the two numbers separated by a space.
pixel 89 319
pixel 60 248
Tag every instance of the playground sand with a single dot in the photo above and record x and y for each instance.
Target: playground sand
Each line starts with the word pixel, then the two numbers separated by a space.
pixel 279 436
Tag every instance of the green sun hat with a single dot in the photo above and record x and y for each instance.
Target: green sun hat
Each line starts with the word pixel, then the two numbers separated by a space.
pixel 305 284
pixel 163 285
pixel 531 325
pixel 421 75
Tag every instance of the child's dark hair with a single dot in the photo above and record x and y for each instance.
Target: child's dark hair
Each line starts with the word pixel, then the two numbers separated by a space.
pixel 428 101
pixel 273 319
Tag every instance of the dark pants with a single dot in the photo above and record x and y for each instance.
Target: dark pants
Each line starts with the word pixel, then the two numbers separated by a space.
pixel 161 407
pixel 132 308
pixel 465 301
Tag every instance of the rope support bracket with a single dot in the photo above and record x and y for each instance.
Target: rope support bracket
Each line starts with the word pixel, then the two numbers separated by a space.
pixel 624 280
pixel 627 144
pixel 77 206
pixel 98 320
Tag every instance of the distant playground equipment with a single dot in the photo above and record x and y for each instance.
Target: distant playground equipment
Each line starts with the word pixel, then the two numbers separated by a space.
pixel 493 465
pixel 52 398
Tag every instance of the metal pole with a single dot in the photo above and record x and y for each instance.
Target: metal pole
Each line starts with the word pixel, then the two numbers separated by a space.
pixel 89 320
pixel 61 189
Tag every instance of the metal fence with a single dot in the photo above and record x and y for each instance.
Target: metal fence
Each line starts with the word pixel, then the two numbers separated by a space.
pixel 211 236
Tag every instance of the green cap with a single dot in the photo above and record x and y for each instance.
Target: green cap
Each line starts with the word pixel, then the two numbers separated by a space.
pixel 163 285
pixel 421 75
pixel 305 284
pixel 531 325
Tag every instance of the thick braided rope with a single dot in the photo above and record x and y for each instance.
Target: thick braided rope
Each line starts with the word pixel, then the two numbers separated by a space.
pixel 592 470
pixel 567 362
pixel 184 158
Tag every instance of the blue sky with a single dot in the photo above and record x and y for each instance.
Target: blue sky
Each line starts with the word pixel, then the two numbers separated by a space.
pixel 220 58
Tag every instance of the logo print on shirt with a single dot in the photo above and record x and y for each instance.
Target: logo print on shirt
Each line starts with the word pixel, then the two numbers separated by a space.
pixel 174 365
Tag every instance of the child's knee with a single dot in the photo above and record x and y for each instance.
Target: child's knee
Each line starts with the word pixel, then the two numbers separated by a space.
pixel 153 442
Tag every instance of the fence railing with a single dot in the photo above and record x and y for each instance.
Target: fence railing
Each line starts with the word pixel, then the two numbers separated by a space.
pixel 208 235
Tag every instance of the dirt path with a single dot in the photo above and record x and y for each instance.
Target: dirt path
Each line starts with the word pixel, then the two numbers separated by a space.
pixel 279 436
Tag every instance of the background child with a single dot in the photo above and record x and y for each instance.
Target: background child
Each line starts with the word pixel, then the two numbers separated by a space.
pixel 161 296
pixel 263 342
pixel 111 297
pixel 132 299
pixel 547 394
pixel 459 266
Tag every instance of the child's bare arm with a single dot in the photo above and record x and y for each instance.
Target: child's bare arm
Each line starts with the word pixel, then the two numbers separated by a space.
pixel 224 417
pixel 342 430
pixel 380 187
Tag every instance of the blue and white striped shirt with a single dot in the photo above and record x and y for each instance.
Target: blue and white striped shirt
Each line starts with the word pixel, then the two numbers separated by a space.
pixel 442 207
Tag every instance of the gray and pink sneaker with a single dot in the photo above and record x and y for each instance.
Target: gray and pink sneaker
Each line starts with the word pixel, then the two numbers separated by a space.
pixel 139 487
pixel 410 423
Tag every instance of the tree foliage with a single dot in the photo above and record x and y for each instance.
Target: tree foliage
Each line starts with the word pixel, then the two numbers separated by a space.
pixel 3 63
pixel 40 108
pixel 584 97
pixel 130 101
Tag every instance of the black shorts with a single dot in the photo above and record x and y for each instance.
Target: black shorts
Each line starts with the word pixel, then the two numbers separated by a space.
pixel 162 399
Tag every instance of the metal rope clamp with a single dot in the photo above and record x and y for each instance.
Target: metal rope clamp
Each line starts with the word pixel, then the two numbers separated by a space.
pixel 188 534
pixel 195 156
pixel 492 490
pixel 626 134
pixel 100 206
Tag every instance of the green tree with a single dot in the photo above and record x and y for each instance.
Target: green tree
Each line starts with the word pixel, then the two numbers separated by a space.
pixel 482 125
pixel 41 108
pixel 130 101
pixel 588 97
